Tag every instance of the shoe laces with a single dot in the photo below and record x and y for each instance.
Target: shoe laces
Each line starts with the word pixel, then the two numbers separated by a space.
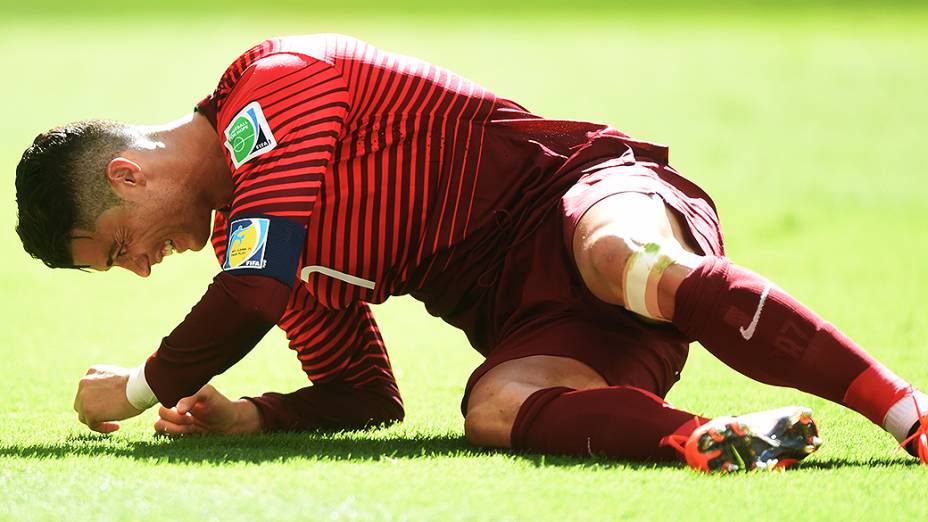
pixel 920 436
pixel 678 442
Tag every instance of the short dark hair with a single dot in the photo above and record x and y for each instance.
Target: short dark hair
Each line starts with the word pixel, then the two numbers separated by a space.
pixel 61 185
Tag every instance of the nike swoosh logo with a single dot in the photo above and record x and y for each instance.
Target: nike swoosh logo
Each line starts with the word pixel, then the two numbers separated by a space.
pixel 748 332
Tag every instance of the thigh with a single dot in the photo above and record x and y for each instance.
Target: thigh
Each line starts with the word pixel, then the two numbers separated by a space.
pixel 688 213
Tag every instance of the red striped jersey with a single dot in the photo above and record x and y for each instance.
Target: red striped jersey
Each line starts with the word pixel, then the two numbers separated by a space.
pixel 392 164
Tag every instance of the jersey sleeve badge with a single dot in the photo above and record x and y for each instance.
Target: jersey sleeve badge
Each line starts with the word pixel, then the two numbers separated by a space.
pixel 249 135
pixel 247 243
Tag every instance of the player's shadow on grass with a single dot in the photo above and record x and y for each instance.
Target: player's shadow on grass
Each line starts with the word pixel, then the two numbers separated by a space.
pixel 357 446
pixel 352 446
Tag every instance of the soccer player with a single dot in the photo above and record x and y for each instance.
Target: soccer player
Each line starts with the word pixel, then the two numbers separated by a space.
pixel 336 175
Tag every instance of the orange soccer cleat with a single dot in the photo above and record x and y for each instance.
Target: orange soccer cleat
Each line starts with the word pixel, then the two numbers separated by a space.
pixel 764 440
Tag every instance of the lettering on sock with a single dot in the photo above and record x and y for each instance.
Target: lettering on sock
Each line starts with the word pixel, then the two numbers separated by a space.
pixel 735 317
pixel 792 340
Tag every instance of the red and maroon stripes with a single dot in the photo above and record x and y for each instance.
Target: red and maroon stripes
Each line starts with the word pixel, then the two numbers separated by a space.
pixel 305 107
pixel 343 345
pixel 378 154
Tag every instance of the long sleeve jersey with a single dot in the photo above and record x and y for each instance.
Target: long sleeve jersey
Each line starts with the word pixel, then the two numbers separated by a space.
pixel 395 173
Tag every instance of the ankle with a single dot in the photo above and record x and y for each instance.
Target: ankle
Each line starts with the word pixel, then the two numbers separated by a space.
pixel 903 417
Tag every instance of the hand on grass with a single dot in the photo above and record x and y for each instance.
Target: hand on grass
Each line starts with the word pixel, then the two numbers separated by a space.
pixel 101 398
pixel 208 412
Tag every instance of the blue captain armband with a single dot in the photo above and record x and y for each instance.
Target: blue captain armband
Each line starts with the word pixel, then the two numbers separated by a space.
pixel 265 245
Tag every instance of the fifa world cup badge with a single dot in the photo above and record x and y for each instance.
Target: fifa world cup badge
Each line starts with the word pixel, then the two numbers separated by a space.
pixel 247 242
pixel 249 135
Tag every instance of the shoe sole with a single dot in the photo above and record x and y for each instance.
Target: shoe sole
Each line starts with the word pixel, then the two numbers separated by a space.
pixel 770 440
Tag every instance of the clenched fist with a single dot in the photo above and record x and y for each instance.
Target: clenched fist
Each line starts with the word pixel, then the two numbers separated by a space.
pixel 101 398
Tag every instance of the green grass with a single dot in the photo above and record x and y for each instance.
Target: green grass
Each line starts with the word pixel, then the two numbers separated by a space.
pixel 808 129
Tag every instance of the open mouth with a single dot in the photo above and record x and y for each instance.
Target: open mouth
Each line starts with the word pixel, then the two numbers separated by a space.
pixel 168 248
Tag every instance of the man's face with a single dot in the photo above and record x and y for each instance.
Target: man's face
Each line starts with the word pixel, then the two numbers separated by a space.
pixel 140 233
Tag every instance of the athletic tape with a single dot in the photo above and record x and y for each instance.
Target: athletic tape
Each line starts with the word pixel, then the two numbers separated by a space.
pixel 138 391
pixel 647 262
pixel 902 415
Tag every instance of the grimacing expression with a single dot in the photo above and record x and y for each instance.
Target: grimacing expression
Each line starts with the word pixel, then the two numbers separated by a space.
pixel 157 220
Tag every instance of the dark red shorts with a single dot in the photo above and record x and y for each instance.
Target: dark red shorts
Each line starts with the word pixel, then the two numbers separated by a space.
pixel 545 309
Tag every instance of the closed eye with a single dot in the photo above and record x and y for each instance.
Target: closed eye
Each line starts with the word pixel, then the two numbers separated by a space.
pixel 115 253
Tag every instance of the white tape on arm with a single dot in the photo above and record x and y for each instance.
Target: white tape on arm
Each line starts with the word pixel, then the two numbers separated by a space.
pixel 137 390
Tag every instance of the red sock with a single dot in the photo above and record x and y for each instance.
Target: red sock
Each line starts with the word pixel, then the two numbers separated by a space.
pixel 619 422
pixel 774 339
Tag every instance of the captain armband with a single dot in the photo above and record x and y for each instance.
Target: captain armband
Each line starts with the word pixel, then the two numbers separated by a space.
pixel 268 246
pixel 643 272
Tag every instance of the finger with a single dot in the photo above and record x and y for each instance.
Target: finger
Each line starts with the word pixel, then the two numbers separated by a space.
pixel 164 427
pixel 184 405
pixel 172 415
pixel 105 427
pixel 202 395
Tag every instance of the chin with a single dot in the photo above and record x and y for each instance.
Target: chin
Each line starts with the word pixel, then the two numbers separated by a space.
pixel 197 244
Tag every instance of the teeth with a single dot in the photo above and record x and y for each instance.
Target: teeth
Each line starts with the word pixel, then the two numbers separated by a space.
pixel 168 248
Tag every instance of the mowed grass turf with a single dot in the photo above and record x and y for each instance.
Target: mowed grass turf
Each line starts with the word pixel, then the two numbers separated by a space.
pixel 808 128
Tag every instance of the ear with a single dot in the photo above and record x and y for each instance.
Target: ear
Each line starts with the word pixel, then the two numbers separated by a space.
pixel 125 176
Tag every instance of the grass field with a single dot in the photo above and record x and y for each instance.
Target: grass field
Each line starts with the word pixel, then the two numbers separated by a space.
pixel 808 127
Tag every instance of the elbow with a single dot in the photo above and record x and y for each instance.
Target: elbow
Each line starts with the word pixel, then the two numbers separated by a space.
pixel 263 298
pixel 389 412
pixel 395 414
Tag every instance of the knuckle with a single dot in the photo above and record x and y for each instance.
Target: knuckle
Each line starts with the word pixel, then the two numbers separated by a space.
pixel 89 412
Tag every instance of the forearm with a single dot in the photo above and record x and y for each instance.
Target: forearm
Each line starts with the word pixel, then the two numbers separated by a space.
pixel 233 315
pixel 331 406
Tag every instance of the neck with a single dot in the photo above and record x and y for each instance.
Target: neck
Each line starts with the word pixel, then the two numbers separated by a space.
pixel 202 165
